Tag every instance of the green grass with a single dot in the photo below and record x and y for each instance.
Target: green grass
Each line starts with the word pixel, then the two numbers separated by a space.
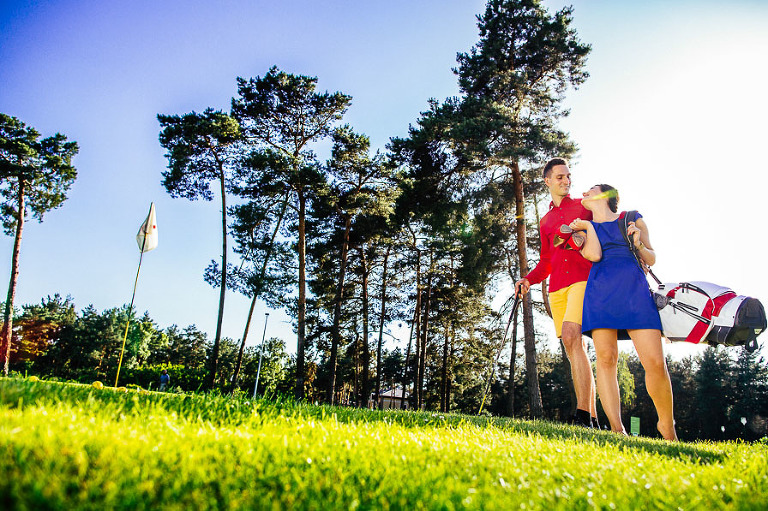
pixel 68 446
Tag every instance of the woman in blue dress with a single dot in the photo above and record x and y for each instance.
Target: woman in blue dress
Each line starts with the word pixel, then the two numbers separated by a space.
pixel 618 305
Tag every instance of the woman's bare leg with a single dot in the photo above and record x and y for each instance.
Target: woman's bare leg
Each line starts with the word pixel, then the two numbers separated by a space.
pixel 651 352
pixel 607 352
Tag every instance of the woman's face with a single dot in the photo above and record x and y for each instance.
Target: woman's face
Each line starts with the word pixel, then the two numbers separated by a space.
pixel 591 196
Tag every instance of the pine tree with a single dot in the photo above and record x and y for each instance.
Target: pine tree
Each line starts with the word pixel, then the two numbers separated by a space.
pixel 35 175
pixel 514 80
pixel 713 396
pixel 281 114
pixel 356 189
pixel 202 148
pixel 750 389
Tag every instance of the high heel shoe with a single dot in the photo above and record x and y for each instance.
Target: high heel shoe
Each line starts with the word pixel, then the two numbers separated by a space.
pixel 576 241
pixel 565 233
pixel 573 240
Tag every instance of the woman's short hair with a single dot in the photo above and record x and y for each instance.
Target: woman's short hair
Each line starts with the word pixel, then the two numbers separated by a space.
pixel 551 164
pixel 613 199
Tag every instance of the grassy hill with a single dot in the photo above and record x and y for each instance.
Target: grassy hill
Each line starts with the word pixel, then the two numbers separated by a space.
pixel 69 446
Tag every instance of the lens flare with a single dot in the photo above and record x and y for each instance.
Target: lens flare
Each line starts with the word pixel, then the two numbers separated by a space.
pixel 608 194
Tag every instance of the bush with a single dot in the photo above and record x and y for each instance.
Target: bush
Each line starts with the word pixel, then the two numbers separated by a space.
pixel 148 377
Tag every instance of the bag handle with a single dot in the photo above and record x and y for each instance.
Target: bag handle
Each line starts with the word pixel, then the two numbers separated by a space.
pixel 624 225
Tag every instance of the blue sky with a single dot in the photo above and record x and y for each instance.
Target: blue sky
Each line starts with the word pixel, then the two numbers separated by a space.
pixel 673 115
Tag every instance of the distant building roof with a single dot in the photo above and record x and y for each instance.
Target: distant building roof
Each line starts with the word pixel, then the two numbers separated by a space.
pixel 395 393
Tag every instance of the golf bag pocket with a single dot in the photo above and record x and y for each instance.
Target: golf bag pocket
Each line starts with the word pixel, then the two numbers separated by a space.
pixel 698 312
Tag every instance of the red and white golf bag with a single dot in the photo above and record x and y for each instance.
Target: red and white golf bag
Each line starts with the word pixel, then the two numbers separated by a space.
pixel 704 312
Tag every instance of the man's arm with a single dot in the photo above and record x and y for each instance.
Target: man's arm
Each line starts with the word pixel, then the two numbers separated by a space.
pixel 542 270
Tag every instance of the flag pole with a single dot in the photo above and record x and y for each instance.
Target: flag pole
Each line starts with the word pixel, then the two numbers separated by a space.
pixel 149 224
pixel 130 310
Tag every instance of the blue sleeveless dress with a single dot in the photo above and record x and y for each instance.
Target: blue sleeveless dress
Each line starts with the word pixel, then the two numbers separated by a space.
pixel 617 294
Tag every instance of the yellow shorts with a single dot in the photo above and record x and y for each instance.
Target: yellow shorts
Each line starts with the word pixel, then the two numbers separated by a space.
pixel 567 304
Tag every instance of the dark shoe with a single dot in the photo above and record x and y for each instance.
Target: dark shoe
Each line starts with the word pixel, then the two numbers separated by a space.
pixel 582 418
pixel 595 424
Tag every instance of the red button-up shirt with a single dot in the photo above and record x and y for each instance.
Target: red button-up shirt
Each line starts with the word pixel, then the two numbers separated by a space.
pixel 566 267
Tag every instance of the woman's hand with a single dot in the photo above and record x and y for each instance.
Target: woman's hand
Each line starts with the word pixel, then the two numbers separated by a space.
pixel 579 225
pixel 634 232
pixel 639 232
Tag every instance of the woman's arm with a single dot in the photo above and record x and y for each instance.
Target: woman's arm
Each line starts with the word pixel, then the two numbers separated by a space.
pixel 591 249
pixel 638 231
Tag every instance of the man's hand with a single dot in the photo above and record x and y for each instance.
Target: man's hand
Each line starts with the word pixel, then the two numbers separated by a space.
pixel 522 286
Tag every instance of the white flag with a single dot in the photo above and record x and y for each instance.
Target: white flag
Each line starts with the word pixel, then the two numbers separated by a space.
pixel 147 235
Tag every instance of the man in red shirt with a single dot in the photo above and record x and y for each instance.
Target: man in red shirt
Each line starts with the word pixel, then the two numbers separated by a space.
pixel 568 272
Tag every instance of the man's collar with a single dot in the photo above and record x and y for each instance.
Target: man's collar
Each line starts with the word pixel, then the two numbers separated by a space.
pixel 567 198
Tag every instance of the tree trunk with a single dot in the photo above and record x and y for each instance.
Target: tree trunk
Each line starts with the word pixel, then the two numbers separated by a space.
pixel 545 296
pixel 566 365
pixel 256 294
pixel 444 375
pixel 512 363
pixel 302 305
pixel 451 359
pixel 566 368
pixel 366 347
pixel 356 367
pixel 240 353
pixel 444 392
pixel 382 314
pixel 417 347
pixel 425 332
pixel 414 323
pixel 531 365
pixel 336 328
pixel 213 363
pixel 7 333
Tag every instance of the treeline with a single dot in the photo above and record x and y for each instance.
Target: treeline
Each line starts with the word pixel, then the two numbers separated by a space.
pixel 719 394
pixel 52 340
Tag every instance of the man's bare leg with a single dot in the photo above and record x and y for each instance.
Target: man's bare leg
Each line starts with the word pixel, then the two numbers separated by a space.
pixel 581 369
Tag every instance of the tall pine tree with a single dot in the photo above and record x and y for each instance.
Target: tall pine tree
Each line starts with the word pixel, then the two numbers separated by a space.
pixel 514 80
pixel 281 115
pixel 35 175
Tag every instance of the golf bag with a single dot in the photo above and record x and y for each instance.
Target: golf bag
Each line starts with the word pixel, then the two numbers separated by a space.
pixel 698 312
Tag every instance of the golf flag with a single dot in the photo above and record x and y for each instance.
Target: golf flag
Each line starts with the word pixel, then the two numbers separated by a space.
pixel 147 235
pixel 147 240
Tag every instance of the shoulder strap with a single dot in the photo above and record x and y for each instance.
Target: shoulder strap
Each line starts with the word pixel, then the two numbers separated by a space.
pixel 631 216
pixel 624 223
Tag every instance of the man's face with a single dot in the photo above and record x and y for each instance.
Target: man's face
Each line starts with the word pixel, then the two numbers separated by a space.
pixel 559 181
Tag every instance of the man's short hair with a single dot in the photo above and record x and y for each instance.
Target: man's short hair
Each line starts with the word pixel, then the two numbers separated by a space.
pixel 551 164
